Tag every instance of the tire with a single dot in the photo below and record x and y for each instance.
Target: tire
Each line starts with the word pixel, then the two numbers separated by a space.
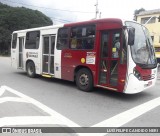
pixel 84 80
pixel 31 72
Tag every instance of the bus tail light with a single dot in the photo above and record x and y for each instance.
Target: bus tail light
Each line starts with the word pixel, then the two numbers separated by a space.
pixel 137 74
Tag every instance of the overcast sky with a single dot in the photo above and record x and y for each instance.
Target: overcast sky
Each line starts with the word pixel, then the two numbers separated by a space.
pixel 85 9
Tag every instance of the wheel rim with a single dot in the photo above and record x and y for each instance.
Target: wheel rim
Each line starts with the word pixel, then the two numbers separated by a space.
pixel 83 80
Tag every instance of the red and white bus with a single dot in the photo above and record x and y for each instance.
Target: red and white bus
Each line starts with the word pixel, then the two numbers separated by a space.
pixel 106 53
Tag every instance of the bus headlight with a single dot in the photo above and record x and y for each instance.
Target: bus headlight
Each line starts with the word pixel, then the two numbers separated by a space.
pixel 137 74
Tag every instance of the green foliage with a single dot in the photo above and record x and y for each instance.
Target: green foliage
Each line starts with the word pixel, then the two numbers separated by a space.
pixel 136 12
pixel 18 18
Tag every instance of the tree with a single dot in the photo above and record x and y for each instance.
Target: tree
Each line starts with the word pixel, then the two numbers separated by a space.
pixel 136 12
pixel 18 18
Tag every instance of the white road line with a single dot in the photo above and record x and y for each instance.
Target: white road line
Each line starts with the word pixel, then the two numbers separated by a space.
pixel 27 120
pixel 12 99
pixel 54 114
pixel 56 118
pixel 2 90
pixel 125 117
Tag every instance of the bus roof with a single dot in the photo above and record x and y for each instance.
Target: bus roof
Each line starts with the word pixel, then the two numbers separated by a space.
pixel 39 28
pixel 115 20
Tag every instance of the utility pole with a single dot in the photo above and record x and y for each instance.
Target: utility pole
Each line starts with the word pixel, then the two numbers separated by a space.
pixel 96 13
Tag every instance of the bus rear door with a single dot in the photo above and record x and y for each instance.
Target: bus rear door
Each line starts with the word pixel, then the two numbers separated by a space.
pixel 48 54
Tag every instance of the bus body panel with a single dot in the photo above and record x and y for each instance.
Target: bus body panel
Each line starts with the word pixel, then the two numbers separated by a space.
pixel 14 58
pixel 58 64
pixel 72 59
pixel 33 55
pixel 135 86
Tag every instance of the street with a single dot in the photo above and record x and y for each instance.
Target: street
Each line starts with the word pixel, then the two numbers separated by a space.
pixel 47 102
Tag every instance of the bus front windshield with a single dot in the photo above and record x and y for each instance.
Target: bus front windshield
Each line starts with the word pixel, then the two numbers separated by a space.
pixel 142 51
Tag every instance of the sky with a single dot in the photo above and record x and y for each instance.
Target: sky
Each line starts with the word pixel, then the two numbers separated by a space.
pixel 65 11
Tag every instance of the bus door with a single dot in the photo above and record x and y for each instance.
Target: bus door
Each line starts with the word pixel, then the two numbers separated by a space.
pixel 109 58
pixel 21 46
pixel 48 54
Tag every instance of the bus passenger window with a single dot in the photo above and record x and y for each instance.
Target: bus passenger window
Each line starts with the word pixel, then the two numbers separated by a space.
pixel 62 41
pixel 73 43
pixel 82 37
pixel 32 40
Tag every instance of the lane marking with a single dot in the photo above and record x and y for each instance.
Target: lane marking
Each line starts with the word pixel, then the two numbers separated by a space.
pixel 56 118
pixel 54 114
pixel 2 90
pixel 12 99
pixel 125 117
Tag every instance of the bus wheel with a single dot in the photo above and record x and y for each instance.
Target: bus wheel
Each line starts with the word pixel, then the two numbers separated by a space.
pixel 31 69
pixel 84 80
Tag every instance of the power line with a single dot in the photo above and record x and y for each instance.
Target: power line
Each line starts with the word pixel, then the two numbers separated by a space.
pixel 61 20
pixel 48 8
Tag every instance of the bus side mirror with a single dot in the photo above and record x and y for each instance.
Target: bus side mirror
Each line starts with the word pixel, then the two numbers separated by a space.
pixel 131 36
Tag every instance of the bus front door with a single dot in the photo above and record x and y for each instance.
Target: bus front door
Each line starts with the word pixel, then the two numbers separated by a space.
pixel 109 58
pixel 48 54
pixel 21 46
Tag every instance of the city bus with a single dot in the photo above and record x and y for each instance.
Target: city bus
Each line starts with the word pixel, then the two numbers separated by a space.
pixel 104 53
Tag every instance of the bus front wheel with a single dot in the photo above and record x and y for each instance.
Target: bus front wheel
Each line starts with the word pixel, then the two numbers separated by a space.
pixel 84 80
pixel 31 69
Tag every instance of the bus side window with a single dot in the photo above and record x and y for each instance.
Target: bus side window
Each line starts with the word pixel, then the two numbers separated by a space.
pixel 82 37
pixel 62 40
pixel 14 40
pixel 32 40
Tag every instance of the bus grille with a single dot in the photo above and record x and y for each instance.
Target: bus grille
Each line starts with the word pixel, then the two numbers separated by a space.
pixel 148 77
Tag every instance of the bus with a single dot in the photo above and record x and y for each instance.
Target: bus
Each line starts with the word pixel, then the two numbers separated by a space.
pixel 107 53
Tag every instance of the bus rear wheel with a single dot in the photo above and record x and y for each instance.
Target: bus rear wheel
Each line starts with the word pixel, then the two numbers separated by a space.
pixel 31 69
pixel 84 80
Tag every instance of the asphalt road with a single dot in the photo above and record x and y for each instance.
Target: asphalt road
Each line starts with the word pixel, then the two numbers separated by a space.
pixel 43 97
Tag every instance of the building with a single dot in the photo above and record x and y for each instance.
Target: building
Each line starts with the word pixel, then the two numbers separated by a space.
pixel 151 19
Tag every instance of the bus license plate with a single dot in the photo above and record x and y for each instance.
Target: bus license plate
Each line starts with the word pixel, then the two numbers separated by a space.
pixel 149 83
